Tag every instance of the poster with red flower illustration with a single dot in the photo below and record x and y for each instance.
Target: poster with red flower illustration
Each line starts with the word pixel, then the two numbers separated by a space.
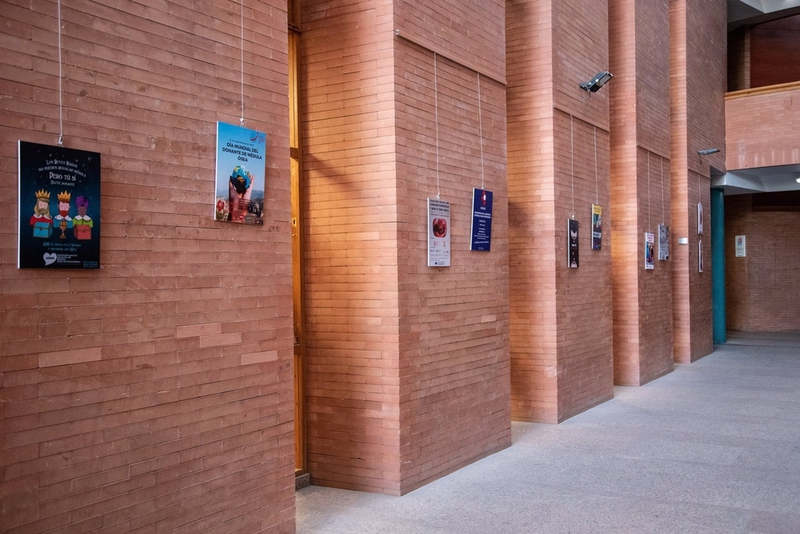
pixel 438 233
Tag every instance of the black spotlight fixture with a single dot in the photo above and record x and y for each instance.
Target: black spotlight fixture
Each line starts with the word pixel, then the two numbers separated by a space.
pixel 594 85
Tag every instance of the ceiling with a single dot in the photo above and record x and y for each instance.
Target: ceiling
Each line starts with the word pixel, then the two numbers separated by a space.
pixel 764 179
pixel 761 180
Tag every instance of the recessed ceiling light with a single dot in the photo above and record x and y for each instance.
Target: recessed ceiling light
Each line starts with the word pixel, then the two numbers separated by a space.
pixel 798 180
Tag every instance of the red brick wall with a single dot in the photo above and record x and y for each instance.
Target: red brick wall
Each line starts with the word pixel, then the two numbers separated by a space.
pixel 532 247
pixel 350 213
pixel 698 84
pixel 560 317
pixel 470 33
pixel 454 346
pixel 153 394
pixel 761 289
pixel 639 47
pixel 739 59
pixel 408 373
pixel 775 52
pixel 769 141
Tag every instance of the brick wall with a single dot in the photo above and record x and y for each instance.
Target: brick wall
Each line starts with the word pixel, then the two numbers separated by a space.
pixel 155 393
pixel 769 141
pixel 775 52
pixel 697 88
pixel 454 346
pixel 639 47
pixel 470 33
pixel 351 241
pixel 761 290
pixel 560 317
pixel 408 373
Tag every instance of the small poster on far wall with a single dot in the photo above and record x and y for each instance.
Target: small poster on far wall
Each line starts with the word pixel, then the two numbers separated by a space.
pixel 481 230
pixel 438 233
pixel 663 242
pixel 700 219
pixel 649 251
pixel 597 227
pixel 572 243
pixel 59 207
pixel 741 251
pixel 700 256
pixel 241 164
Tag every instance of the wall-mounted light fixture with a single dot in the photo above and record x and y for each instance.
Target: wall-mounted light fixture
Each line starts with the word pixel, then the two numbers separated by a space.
pixel 594 85
pixel 707 151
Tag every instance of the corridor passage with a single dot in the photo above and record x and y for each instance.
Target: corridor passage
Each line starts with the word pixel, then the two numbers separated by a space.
pixel 713 446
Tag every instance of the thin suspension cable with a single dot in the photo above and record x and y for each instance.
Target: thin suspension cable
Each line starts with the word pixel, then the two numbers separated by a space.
pixel 648 190
pixel 241 55
pixel 480 126
pixel 60 84
pixel 436 108
pixel 596 182
pixel 572 163
pixel 661 165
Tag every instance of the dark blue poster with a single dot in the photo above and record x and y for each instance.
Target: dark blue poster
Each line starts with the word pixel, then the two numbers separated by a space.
pixel 59 207
pixel 481 220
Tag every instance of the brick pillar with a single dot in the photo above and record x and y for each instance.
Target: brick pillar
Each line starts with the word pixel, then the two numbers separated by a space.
pixel 640 191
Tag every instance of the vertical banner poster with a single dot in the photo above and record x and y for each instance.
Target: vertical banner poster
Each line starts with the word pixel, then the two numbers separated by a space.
pixel 481 230
pixel 597 227
pixel 663 242
pixel 59 207
pixel 700 256
pixel 699 218
pixel 572 243
pixel 438 233
pixel 241 164
pixel 740 246
pixel 649 251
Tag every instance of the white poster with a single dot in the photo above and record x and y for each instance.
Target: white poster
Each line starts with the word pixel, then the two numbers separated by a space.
pixel 700 219
pixel 740 246
pixel 700 257
pixel 649 251
pixel 438 233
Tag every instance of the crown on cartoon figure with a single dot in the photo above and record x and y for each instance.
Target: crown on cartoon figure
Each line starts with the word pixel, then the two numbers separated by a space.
pixel 43 195
pixel 64 196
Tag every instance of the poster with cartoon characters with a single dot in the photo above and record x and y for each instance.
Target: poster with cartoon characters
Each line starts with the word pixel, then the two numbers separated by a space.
pixel 59 207
pixel 438 233
pixel 241 164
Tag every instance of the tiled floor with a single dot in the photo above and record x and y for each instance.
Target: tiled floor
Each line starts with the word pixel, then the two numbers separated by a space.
pixel 712 447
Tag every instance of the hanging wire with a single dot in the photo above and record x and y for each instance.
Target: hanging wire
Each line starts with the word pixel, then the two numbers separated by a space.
pixel 436 108
pixel 60 84
pixel 480 126
pixel 661 166
pixel 596 182
pixel 241 55
pixel 572 163
pixel 648 190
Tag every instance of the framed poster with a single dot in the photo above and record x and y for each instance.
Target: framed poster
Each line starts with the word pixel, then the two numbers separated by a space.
pixel 649 251
pixel 700 256
pixel 700 219
pixel 597 227
pixel 59 207
pixel 663 242
pixel 438 233
pixel 572 243
pixel 481 230
pixel 741 251
pixel 241 164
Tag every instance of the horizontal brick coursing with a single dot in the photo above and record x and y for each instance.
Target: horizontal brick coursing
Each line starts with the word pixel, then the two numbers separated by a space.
pixel 153 394
pixel 761 290
pixel 560 318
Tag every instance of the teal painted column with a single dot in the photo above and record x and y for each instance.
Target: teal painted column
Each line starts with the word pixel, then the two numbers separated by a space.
pixel 718 264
